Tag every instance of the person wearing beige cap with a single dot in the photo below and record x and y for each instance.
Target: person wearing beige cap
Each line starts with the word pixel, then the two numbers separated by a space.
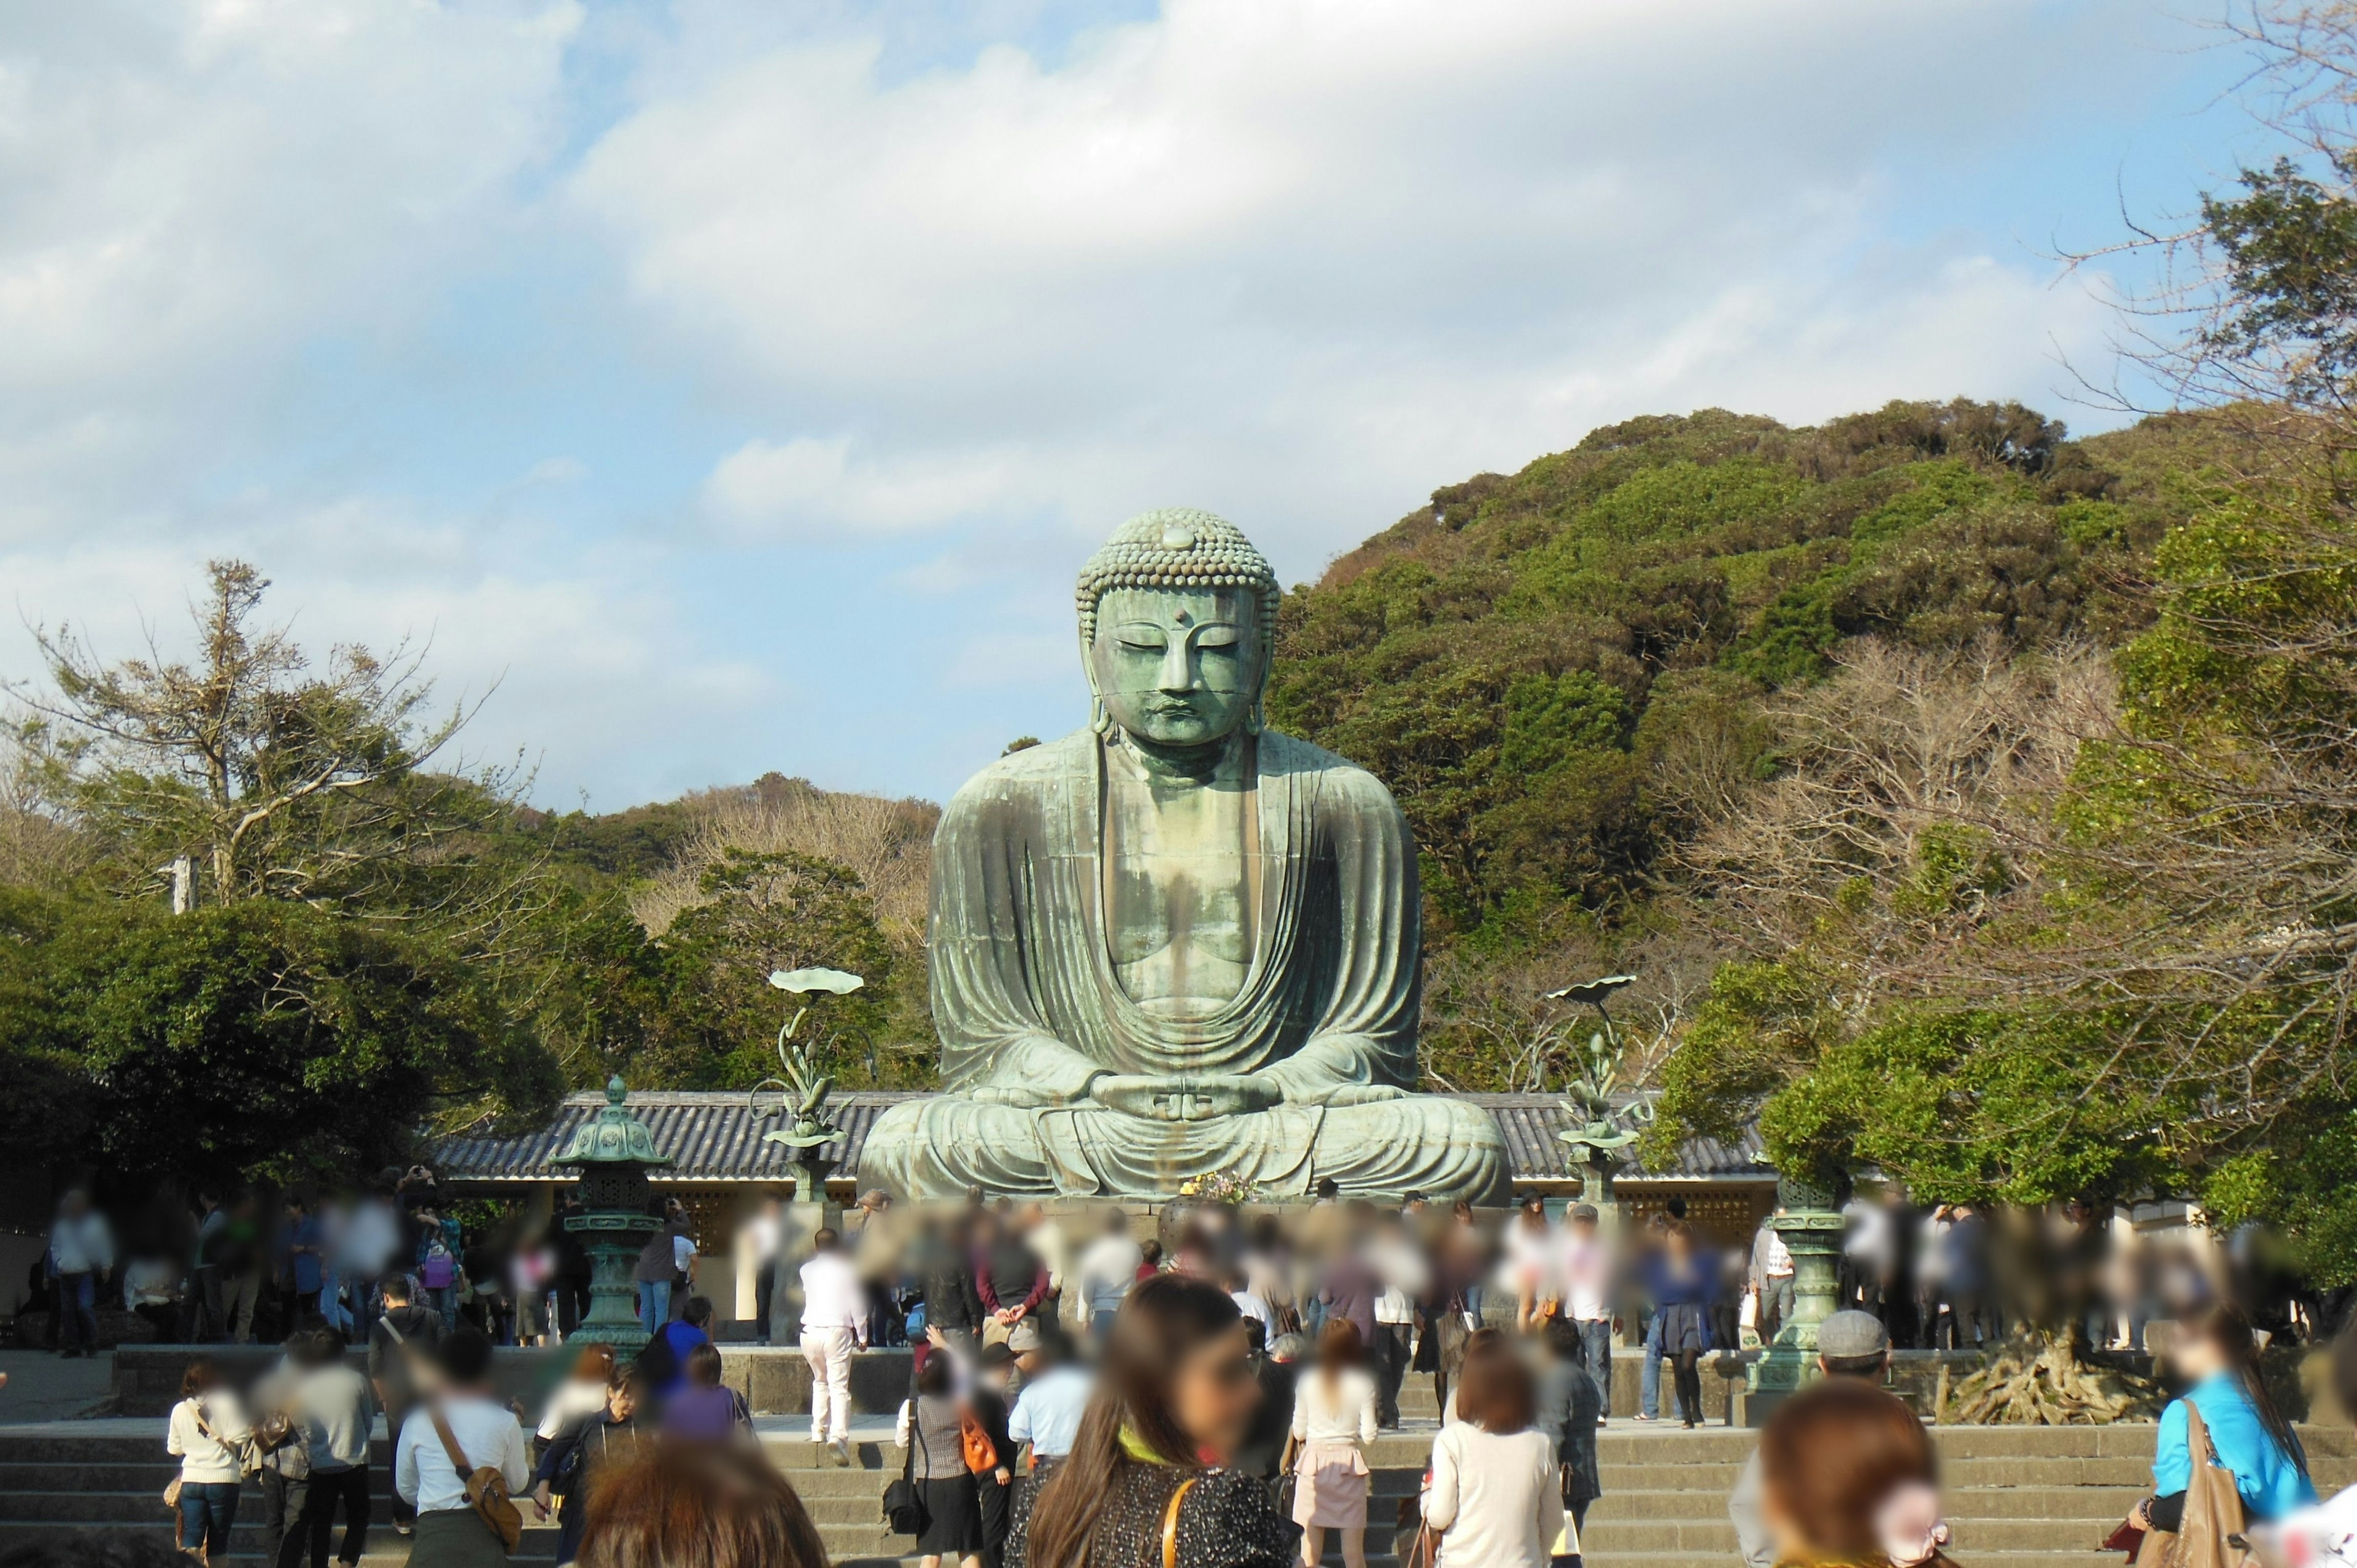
pixel 1850 1344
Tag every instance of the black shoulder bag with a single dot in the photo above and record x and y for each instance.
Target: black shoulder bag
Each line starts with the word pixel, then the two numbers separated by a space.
pixel 904 1511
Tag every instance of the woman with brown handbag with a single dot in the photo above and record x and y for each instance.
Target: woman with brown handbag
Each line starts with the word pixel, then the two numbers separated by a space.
pixel 2226 1421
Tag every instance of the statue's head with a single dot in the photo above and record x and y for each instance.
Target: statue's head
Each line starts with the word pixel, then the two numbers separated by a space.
pixel 1178 617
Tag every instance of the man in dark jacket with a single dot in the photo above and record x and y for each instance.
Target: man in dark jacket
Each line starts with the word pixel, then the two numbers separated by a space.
pixel 1012 1281
pixel 402 1346
pixel 953 1303
pixel 1569 1406
pixel 1261 1453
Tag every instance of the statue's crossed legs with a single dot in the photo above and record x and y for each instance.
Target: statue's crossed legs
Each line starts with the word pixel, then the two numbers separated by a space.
pixel 938 1147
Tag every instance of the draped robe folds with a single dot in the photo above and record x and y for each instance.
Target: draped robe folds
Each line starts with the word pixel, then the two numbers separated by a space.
pixel 1029 1009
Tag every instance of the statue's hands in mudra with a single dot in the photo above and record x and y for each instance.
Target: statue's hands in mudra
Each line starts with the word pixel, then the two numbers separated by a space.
pixel 1184 1099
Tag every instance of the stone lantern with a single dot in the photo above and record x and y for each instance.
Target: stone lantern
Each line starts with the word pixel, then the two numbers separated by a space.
pixel 1812 1229
pixel 615 1152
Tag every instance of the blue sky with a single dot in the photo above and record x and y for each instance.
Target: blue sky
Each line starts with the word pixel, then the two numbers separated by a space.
pixel 739 384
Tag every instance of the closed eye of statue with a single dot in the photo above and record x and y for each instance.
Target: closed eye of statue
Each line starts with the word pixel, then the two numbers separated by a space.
pixel 1220 636
pixel 1141 637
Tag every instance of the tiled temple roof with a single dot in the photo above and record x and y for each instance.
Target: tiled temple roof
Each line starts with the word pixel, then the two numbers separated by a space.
pixel 714 1137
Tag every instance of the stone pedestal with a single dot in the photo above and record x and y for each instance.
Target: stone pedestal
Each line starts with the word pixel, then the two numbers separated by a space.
pixel 811 1211
pixel 1812 1229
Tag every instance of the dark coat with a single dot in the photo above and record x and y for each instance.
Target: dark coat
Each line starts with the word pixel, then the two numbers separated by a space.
pixel 1568 1406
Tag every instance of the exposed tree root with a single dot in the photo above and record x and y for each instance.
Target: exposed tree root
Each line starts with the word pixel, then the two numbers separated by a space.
pixel 2036 1379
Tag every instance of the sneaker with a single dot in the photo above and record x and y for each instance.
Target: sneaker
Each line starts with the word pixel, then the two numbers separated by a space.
pixel 842 1453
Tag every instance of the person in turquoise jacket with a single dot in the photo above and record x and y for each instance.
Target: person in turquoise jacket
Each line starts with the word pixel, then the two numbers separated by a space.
pixel 2215 1351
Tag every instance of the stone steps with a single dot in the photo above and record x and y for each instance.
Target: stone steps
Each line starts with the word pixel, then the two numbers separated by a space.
pixel 2015 1495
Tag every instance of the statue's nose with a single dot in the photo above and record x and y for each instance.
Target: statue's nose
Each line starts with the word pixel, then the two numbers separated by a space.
pixel 1176 675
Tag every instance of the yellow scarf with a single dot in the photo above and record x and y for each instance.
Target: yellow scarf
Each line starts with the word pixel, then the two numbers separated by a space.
pixel 1138 1448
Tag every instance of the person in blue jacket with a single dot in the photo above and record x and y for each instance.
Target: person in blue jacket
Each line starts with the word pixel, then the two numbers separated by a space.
pixel 2216 1353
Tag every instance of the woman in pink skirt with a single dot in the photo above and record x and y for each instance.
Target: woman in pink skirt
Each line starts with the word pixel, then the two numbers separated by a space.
pixel 1333 1420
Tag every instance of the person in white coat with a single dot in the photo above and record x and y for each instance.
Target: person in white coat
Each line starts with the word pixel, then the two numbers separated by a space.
pixel 1497 1497
pixel 835 1324
pixel 1334 1419
pixel 207 1433
pixel 81 1255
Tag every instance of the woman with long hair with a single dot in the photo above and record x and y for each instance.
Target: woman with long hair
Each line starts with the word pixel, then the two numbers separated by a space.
pixel 1174 1399
pixel 2217 1355
pixel 1333 1420
pixel 1848 1480
pixel 1496 1497
pixel 708 1506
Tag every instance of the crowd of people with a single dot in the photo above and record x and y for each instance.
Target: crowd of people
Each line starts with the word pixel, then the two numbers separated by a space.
pixel 1082 1394
pixel 244 1267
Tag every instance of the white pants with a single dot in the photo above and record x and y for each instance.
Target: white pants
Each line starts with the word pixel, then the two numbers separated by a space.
pixel 828 1351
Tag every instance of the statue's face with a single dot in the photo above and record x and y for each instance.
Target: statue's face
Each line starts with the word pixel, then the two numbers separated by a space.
pixel 1178 666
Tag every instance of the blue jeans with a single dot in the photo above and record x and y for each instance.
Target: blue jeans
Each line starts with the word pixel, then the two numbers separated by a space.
pixel 445 1300
pixel 654 1304
pixel 208 1513
pixel 1473 1302
pixel 77 1324
pixel 1649 1389
pixel 1595 1341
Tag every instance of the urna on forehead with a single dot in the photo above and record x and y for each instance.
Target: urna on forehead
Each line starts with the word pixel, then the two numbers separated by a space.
pixel 1176 548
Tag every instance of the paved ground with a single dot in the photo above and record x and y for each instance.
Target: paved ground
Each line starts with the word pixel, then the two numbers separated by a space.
pixel 42 1388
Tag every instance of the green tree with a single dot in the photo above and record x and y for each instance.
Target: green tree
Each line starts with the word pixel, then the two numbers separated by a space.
pixel 276 775
pixel 264 1040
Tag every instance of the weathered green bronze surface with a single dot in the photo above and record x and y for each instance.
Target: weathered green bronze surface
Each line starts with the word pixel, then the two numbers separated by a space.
pixel 614 1151
pixel 1177 941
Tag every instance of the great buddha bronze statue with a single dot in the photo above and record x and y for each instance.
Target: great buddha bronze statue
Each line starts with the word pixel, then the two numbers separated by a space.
pixel 1175 942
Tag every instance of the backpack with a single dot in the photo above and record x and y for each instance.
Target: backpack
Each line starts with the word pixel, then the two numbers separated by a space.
pixel 437 1272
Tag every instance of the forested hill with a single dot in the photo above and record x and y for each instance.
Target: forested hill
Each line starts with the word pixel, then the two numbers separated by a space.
pixel 1555 670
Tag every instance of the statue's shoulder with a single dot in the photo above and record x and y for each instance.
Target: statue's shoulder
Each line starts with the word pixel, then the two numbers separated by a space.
pixel 1023 776
pixel 1338 781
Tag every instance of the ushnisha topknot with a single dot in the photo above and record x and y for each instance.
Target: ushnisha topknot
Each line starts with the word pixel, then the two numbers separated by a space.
pixel 1178 547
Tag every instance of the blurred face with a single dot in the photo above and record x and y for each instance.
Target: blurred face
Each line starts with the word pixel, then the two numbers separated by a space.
pixel 1177 667
pixel 1214 1393
pixel 2195 1357
pixel 623 1402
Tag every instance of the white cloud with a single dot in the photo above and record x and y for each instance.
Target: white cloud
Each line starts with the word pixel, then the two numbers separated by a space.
pixel 659 356
pixel 192 192
pixel 1305 260
pixel 817 489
